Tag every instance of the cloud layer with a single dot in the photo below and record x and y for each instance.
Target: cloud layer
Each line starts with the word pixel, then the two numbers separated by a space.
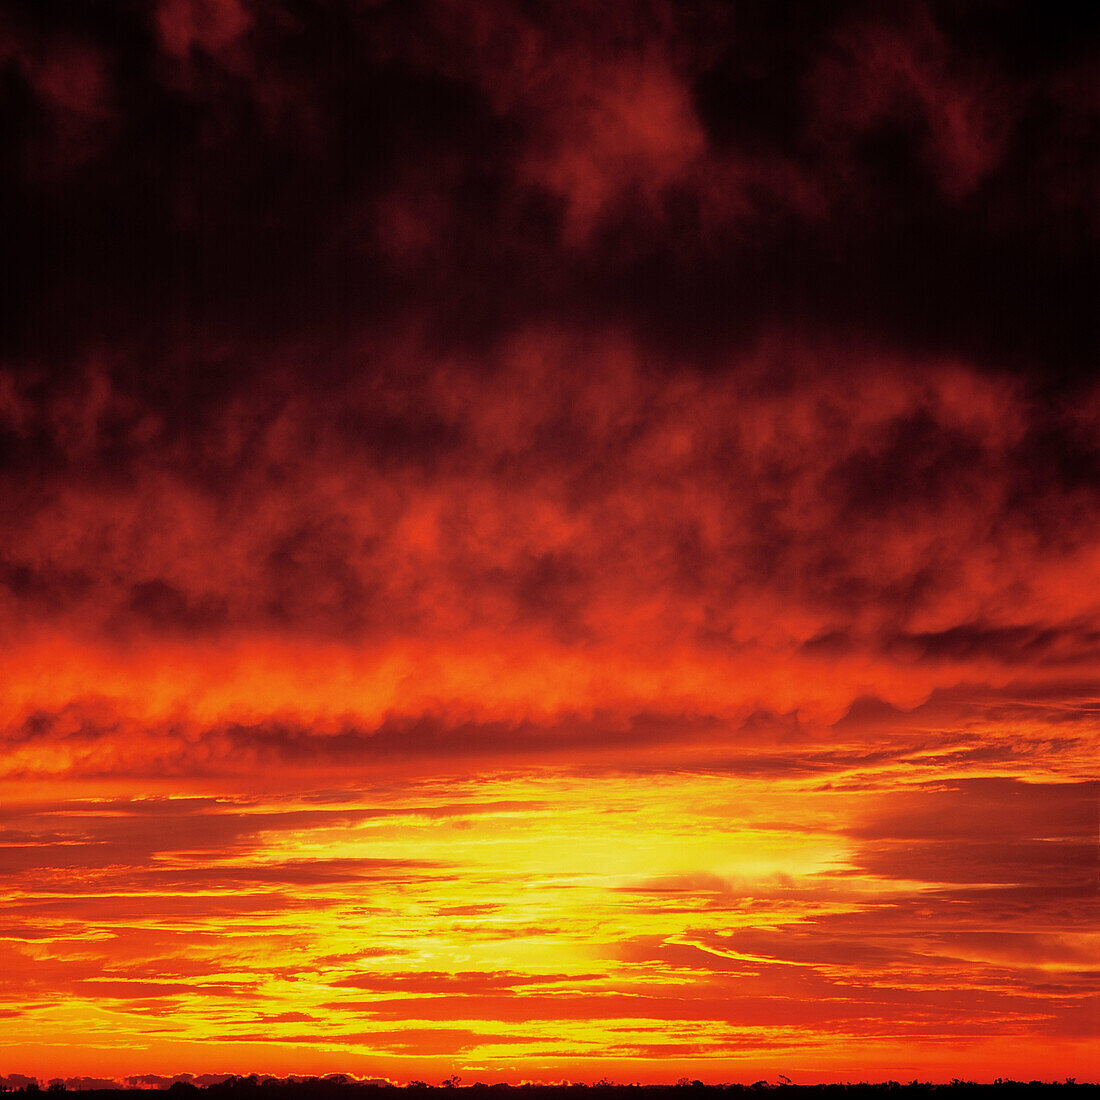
pixel 549 543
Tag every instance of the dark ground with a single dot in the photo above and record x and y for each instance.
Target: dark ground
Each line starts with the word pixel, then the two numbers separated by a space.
pixel 330 1088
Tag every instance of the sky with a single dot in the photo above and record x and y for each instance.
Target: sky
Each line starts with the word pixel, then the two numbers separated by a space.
pixel 549 541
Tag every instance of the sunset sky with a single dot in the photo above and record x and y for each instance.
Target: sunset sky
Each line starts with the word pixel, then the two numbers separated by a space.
pixel 549 540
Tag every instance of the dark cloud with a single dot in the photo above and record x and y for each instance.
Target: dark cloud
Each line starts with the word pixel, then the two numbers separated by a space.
pixel 992 831
pixel 313 170
pixel 986 810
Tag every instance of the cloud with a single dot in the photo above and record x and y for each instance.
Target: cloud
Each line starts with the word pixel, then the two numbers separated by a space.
pixel 573 523
pixel 895 543
pixel 909 75
pixel 212 25
pixel 985 810
pixel 463 982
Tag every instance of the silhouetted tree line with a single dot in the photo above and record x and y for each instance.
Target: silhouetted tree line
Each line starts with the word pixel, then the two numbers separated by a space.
pixel 338 1087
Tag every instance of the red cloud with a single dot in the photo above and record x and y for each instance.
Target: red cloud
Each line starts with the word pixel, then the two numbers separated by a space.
pixel 908 75
pixel 211 25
